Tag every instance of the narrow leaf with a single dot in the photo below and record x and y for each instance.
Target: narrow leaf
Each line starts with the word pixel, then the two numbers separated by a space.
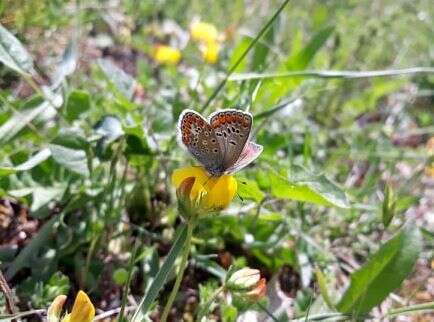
pixel 18 121
pixel 68 63
pixel 388 206
pixel 13 54
pixel 302 59
pixel 24 259
pixel 32 162
pixel 383 273
pixel 323 288
pixel 161 277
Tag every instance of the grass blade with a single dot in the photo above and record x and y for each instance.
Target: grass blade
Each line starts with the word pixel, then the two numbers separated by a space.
pixel 243 55
pixel 332 74
pixel 161 277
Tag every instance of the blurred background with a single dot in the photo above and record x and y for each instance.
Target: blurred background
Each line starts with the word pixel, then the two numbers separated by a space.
pixel 109 80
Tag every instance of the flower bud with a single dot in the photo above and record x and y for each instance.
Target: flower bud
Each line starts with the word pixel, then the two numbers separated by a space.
pixel 247 284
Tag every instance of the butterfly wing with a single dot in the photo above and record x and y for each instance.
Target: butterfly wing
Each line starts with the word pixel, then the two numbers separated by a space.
pixel 232 129
pixel 250 152
pixel 200 139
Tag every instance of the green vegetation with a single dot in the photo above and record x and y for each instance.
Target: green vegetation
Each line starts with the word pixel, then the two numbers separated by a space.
pixel 336 213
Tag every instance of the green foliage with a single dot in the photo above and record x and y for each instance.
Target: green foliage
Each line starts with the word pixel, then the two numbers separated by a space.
pixel 78 102
pixel 341 98
pixel 13 54
pixel 42 294
pixel 318 190
pixel 383 273
pixel 162 275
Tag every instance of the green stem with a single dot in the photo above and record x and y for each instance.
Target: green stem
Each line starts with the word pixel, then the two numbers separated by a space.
pixel 243 55
pixel 417 308
pixel 128 283
pixel 183 266
pixel 204 310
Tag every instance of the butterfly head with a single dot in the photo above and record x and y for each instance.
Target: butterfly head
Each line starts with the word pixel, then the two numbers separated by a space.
pixel 216 171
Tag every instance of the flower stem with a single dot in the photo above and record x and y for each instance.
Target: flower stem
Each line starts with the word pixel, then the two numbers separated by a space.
pixel 205 308
pixel 183 266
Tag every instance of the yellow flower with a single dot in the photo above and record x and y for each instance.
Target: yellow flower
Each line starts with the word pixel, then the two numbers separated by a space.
pixel 210 52
pixel 205 192
pixel 82 310
pixel 202 31
pixel 429 171
pixel 55 309
pixel 163 54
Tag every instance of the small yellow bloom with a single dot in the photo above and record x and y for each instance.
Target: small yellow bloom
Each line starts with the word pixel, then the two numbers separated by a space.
pixel 210 193
pixel 163 54
pixel 210 52
pixel 202 31
pixel 429 171
pixel 55 309
pixel 82 310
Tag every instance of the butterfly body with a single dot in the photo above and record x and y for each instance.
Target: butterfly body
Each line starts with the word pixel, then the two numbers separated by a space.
pixel 222 144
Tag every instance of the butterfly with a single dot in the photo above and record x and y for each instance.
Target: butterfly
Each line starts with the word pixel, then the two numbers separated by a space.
pixel 221 143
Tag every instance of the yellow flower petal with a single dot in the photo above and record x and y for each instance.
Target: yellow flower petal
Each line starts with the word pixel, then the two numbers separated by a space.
pixel 202 31
pixel 55 309
pixel 222 192
pixel 210 52
pixel 82 310
pixel 198 173
pixel 217 192
pixel 166 55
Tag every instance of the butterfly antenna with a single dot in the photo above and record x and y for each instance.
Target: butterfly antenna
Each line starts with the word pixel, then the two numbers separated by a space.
pixel 241 198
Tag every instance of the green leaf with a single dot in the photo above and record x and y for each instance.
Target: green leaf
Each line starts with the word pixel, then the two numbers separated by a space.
pixel 43 195
pixel 238 52
pixel 323 288
pixel 262 48
pixel 383 273
pixel 110 128
pixel 275 89
pixel 13 54
pixel 24 257
pixel 249 189
pixel 136 140
pixel 71 138
pixel 161 277
pixel 68 63
pixel 72 159
pixel 78 102
pixel 123 82
pixel 316 189
pixel 19 120
pixel 388 206
pixel 38 158
pixel 302 59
